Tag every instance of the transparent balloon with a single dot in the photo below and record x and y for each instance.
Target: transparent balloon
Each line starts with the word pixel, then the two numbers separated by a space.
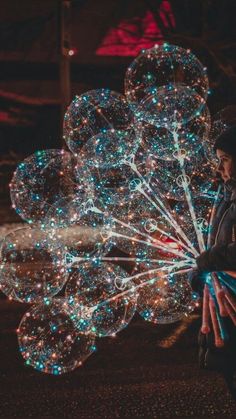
pixel 112 190
pixel 109 149
pixel 41 180
pixel 169 143
pixel 170 106
pixel 31 269
pixel 145 235
pixel 64 213
pixel 166 298
pixel 96 115
pixel 79 227
pixel 50 342
pixel 100 286
pixel 172 178
pixel 110 184
pixel 202 206
pixel 162 65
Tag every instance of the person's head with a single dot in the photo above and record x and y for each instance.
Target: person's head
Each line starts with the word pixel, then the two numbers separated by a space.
pixel 225 148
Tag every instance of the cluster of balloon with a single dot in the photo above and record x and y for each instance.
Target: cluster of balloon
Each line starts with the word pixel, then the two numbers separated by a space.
pixel 138 176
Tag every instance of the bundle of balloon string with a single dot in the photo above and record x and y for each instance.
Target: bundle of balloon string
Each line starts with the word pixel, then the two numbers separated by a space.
pixel 138 177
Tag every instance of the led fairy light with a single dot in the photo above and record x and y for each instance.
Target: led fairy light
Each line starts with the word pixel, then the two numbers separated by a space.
pixel 162 65
pixel 50 342
pixel 138 176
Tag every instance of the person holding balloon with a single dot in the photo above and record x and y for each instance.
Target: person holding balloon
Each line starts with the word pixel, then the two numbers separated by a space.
pixel 215 352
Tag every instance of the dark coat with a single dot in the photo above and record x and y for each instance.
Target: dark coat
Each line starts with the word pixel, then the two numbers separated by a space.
pixel 221 254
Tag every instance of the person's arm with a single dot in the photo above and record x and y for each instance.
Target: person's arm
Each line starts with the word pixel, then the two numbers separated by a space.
pixel 218 258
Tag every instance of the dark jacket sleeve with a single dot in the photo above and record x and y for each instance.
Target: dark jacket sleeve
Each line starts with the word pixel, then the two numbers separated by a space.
pixel 197 280
pixel 218 258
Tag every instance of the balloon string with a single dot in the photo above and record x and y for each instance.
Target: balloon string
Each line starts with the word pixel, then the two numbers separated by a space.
pixel 161 208
pixel 167 215
pixel 171 222
pixel 178 242
pixel 75 259
pixel 133 229
pixel 134 288
pixel 115 234
pixel 188 194
pixel 156 246
pixel 171 268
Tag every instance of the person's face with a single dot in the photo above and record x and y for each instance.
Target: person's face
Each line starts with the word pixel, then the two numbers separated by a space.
pixel 225 165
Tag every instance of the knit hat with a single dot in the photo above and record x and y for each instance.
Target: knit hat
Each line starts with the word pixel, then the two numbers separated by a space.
pixel 227 141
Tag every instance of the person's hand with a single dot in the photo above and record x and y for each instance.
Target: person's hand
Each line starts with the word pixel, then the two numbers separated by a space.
pixel 197 280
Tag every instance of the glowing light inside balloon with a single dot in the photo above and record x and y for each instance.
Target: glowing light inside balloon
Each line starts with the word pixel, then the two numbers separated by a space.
pixel 103 118
pixel 97 286
pixel 140 178
pixel 31 269
pixel 41 180
pixel 49 340
pixel 163 65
